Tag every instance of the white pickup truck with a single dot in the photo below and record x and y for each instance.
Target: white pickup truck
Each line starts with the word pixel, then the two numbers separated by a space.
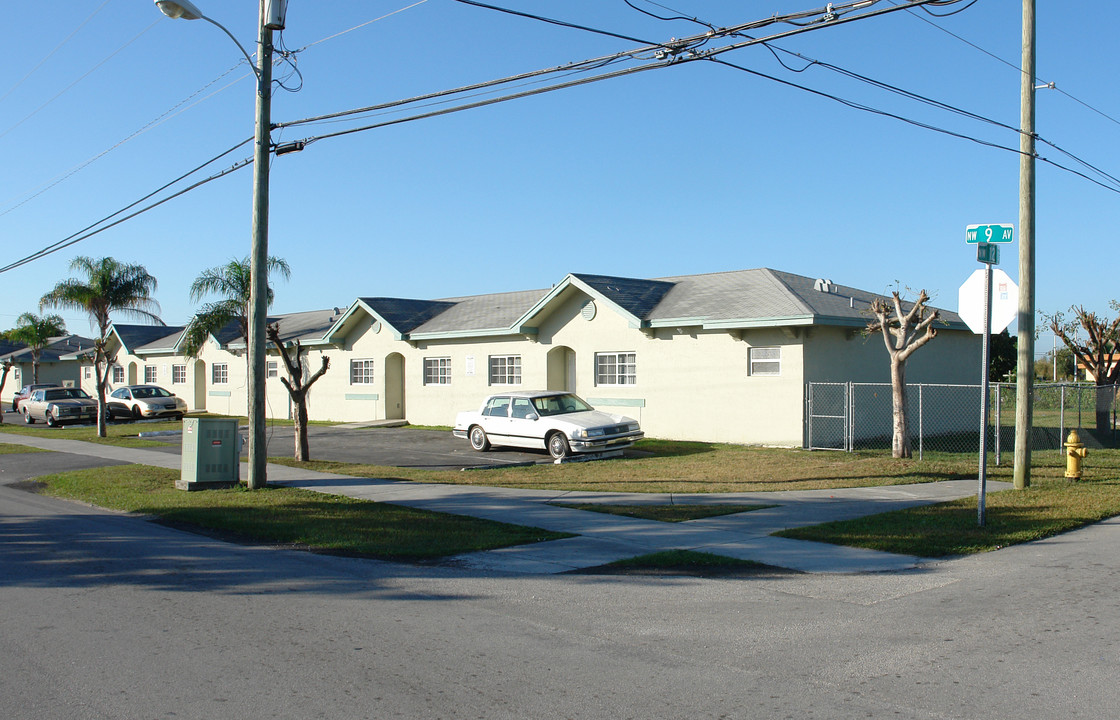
pixel 559 422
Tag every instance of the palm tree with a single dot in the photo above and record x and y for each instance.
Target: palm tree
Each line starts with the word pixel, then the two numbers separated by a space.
pixel 36 332
pixel 108 287
pixel 232 282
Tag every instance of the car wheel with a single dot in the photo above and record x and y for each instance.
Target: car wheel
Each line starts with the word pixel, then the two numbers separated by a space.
pixel 177 417
pixel 51 422
pixel 558 446
pixel 479 441
pixel 27 418
pixel 136 412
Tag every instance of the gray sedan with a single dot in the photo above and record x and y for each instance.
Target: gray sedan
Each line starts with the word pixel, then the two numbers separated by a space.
pixel 136 402
pixel 58 405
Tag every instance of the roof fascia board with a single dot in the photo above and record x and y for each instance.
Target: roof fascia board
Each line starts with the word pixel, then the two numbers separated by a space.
pixel 795 320
pixel 458 334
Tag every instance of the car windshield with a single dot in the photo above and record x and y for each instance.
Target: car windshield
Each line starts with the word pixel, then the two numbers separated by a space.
pixel 149 392
pixel 65 394
pixel 560 404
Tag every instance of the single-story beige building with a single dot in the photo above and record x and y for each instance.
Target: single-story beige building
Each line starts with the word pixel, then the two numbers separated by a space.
pixel 55 365
pixel 716 357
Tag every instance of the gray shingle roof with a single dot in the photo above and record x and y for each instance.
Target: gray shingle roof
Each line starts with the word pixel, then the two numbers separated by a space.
pixel 638 297
pixel 139 337
pixel 406 315
pixel 739 298
pixel 303 326
pixel 55 349
pixel 481 312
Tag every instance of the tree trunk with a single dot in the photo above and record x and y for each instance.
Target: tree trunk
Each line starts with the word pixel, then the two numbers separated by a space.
pixel 303 446
pixel 99 378
pixel 3 379
pixel 1106 394
pixel 900 443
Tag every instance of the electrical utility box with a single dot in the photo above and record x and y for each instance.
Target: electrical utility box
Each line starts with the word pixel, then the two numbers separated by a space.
pixel 211 454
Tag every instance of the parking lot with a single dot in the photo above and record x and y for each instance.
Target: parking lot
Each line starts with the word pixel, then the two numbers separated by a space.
pixel 396 447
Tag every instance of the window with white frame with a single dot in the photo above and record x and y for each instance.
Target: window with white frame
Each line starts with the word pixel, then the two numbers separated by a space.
pixel 765 361
pixel 118 374
pixel 361 372
pixel 272 369
pixel 150 373
pixel 616 368
pixel 505 369
pixel 219 373
pixel 87 372
pixel 437 371
pixel 178 374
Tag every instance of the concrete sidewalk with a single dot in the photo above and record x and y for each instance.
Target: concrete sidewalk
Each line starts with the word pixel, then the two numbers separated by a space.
pixel 602 538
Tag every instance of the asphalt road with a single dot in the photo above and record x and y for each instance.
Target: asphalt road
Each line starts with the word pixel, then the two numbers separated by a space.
pixel 109 616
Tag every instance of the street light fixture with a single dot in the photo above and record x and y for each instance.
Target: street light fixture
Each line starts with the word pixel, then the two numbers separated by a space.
pixel 270 16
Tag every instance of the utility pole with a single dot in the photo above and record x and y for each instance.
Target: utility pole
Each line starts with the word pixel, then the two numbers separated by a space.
pixel 1024 383
pixel 258 262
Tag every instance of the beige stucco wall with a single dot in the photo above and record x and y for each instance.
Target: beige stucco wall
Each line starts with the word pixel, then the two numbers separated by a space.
pixel 847 355
pixel 49 372
pixel 691 385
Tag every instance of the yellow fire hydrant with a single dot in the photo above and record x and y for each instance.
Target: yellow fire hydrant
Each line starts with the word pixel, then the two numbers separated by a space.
pixel 1075 450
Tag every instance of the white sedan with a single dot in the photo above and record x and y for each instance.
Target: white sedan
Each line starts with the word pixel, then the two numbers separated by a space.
pixel 559 422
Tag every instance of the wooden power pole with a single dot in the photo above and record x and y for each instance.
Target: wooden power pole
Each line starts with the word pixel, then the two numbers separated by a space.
pixel 1024 384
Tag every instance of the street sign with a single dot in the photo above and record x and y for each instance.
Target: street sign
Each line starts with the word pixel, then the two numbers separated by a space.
pixel 989 234
pixel 1005 301
pixel 987 253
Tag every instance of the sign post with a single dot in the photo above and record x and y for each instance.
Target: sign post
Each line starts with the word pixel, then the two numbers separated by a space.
pixel 984 237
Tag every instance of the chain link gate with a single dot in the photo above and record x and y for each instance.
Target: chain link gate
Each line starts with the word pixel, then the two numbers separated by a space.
pixel 828 418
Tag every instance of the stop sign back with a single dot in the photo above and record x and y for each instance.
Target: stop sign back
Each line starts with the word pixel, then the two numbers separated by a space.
pixel 1005 301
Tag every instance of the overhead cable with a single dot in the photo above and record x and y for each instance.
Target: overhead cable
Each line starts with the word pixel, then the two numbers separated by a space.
pixel 89 231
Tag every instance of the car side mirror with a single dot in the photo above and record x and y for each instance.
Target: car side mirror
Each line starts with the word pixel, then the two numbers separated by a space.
pixel 532 416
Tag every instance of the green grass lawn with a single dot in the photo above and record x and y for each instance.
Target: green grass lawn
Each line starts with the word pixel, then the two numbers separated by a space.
pixel 693 467
pixel 119 434
pixel 291 516
pixel 686 562
pixel 10 448
pixel 1052 505
pixel 1049 507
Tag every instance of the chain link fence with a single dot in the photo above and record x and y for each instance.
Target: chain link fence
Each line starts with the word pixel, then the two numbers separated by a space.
pixel 946 418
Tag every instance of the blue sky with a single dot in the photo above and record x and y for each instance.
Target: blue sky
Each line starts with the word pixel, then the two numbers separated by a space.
pixel 691 169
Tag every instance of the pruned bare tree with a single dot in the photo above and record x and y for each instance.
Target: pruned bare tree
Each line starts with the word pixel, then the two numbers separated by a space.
pixel 1099 354
pixel 903 333
pixel 5 367
pixel 297 387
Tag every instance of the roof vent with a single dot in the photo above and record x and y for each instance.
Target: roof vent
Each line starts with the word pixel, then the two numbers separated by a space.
pixel 335 311
pixel 822 285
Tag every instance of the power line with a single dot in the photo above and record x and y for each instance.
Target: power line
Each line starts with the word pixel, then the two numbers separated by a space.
pixel 170 113
pixel 84 75
pixel 89 230
pixel 58 47
pixel 680 53
pixel 1008 63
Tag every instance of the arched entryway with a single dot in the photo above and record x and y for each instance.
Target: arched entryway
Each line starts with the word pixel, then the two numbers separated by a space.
pixel 199 377
pixel 394 387
pixel 561 369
